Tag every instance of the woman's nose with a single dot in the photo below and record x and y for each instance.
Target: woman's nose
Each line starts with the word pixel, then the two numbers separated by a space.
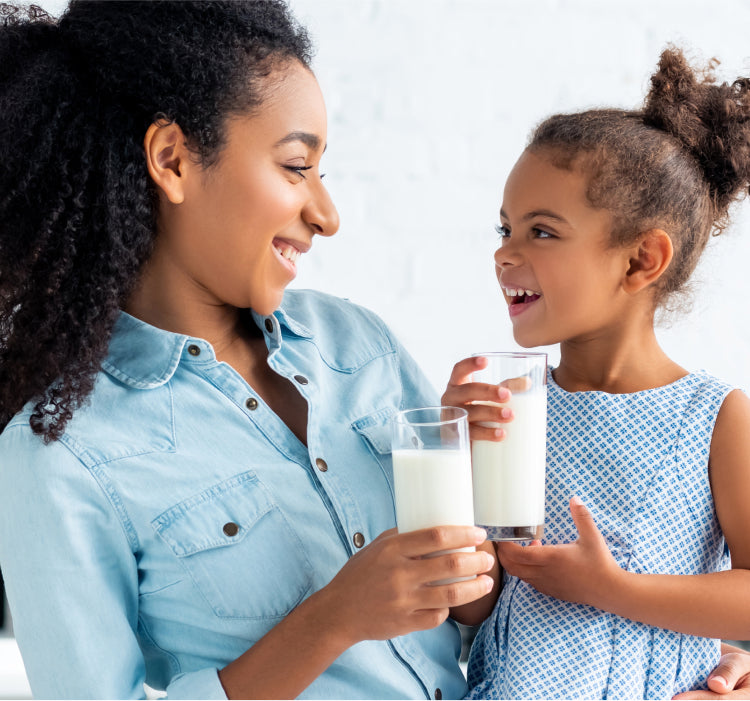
pixel 320 213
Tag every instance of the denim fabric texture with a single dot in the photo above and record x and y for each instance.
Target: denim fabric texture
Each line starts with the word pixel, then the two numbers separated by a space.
pixel 178 519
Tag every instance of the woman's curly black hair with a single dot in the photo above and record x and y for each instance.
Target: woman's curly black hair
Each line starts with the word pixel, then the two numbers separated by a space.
pixel 77 207
pixel 677 164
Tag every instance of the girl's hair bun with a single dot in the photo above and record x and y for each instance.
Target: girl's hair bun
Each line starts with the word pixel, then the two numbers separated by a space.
pixel 711 120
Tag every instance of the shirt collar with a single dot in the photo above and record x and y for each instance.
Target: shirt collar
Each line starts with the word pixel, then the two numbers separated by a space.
pixel 145 357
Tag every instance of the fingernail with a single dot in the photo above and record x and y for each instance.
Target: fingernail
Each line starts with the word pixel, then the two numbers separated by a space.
pixel 506 413
pixel 488 584
pixel 489 560
pixel 720 679
pixel 480 535
pixel 503 393
pixel 499 433
pixel 577 502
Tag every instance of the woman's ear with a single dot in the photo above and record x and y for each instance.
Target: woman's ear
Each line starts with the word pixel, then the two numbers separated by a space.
pixel 650 258
pixel 166 159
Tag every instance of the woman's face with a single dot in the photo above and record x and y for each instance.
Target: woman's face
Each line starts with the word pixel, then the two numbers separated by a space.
pixel 237 236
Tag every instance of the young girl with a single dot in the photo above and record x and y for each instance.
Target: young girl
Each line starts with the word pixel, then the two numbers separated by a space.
pixel 603 220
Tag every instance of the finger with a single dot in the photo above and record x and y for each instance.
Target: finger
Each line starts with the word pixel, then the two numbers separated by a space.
pixel 463 369
pixel 452 565
pixel 476 393
pixel 431 540
pixel 583 520
pixel 517 384
pixel 697 695
pixel 731 669
pixel 483 433
pixel 455 593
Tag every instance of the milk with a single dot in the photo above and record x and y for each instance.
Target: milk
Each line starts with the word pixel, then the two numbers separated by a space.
pixel 432 488
pixel 509 475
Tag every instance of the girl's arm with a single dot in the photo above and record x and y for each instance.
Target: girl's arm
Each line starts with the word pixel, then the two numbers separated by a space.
pixel 715 605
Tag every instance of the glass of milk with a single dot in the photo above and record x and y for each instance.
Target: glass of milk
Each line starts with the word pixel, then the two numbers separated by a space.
pixel 509 475
pixel 432 470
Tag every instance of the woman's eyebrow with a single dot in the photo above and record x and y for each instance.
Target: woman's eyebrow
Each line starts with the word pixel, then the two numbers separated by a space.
pixel 312 141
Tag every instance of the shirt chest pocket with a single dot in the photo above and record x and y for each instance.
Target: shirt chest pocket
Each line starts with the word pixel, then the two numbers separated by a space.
pixel 239 549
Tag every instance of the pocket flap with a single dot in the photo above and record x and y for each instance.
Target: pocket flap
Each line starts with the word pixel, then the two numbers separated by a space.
pixel 219 517
pixel 376 430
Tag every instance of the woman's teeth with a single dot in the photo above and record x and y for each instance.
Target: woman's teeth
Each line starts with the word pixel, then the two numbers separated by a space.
pixel 288 252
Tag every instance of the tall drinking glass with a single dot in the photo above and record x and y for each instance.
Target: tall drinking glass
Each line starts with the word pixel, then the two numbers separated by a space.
pixel 509 475
pixel 432 469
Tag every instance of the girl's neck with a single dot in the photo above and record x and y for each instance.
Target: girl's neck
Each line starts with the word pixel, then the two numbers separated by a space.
pixel 631 362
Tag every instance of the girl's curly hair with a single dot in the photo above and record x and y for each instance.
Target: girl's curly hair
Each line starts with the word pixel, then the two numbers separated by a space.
pixel 677 164
pixel 77 207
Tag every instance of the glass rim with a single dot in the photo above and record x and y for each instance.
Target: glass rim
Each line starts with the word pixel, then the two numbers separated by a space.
pixel 400 416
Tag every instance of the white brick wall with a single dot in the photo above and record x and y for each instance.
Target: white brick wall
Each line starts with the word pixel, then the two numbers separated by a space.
pixel 430 103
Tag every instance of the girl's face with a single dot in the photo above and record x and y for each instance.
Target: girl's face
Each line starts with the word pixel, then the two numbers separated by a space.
pixel 237 236
pixel 559 274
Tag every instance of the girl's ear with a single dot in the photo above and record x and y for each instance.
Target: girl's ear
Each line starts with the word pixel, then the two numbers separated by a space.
pixel 650 258
pixel 167 159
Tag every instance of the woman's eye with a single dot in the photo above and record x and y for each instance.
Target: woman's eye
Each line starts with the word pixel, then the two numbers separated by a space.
pixel 542 234
pixel 504 231
pixel 298 170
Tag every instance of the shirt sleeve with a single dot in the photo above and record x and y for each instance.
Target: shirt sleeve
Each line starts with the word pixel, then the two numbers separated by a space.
pixel 70 570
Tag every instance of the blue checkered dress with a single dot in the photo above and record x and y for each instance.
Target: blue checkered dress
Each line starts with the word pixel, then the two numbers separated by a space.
pixel 639 463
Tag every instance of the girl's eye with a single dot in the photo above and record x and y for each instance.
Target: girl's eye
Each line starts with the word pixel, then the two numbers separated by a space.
pixel 504 231
pixel 298 170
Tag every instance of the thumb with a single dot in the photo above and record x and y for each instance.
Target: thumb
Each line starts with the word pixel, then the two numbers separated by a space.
pixel 583 520
pixel 729 671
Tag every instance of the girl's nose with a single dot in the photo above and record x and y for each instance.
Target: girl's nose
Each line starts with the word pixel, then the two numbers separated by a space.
pixel 506 256
pixel 320 213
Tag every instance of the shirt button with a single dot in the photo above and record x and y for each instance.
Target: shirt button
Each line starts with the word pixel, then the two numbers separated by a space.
pixel 438 694
pixel 231 529
pixel 359 540
pixel 301 379
pixel 321 464
pixel 269 326
pixel 193 349
pixel 251 403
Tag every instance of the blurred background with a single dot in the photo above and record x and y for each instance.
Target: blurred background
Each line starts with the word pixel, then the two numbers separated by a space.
pixel 430 103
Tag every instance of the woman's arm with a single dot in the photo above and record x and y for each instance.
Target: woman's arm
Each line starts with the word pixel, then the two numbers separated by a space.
pixel 382 592
pixel 730 679
pixel 715 605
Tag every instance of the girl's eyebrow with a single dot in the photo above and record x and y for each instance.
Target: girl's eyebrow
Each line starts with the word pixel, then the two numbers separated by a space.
pixel 312 141
pixel 539 213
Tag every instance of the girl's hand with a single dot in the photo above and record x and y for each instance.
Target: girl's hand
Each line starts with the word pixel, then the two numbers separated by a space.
pixel 583 572
pixel 385 590
pixel 462 392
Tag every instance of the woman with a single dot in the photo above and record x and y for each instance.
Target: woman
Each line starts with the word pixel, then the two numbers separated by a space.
pixel 202 485
pixel 195 483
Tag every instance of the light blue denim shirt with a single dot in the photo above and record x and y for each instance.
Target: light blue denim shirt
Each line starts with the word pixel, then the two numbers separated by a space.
pixel 178 519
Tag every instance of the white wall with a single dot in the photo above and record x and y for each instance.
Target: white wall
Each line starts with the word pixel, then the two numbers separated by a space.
pixel 430 103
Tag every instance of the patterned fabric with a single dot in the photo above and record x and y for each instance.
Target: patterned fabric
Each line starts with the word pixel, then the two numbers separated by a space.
pixel 639 463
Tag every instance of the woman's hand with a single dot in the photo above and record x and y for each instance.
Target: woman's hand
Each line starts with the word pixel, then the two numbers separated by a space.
pixel 583 572
pixel 481 400
pixel 386 589
pixel 730 679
